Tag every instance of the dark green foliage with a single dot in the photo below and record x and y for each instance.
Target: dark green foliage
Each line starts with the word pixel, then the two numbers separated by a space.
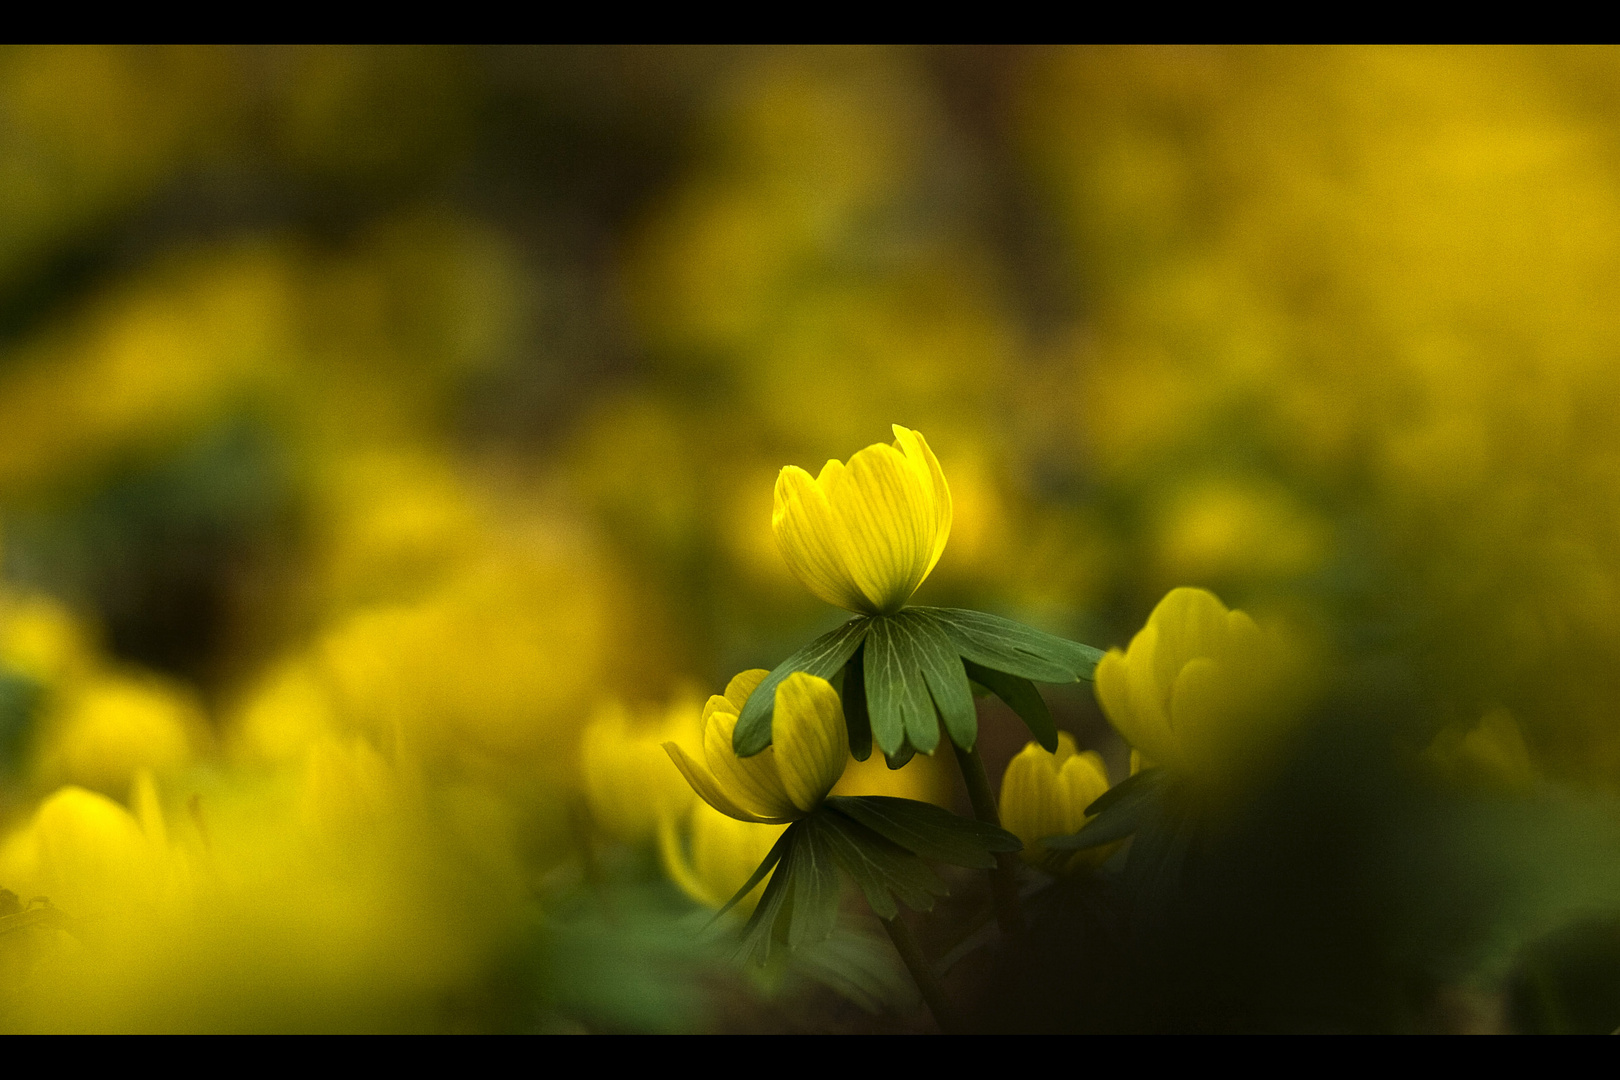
pixel 1118 812
pixel 1021 696
pixel 856 717
pixel 906 678
pixel 823 657
pixel 927 830
pixel 885 872
pixel 897 692
pixel 18 697
pixel 881 844
pixel 1003 645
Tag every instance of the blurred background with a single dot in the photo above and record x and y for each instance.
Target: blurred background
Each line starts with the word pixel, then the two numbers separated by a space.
pixel 375 421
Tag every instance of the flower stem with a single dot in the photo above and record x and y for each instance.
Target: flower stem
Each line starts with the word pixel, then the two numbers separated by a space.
pixel 1004 878
pixel 905 943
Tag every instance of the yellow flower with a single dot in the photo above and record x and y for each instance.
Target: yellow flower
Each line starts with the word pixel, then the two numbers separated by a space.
pixel 628 782
pixel 1201 689
pixel 1045 795
pixel 117 724
pixel 863 536
pixel 94 859
pixel 787 779
pixel 719 856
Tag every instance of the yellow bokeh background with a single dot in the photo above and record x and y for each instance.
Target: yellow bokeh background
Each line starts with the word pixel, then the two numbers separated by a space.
pixel 386 434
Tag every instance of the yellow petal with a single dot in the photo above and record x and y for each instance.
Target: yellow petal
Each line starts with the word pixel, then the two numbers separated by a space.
pixel 717 703
pixel 1083 779
pixel 932 478
pixel 628 781
pixel 704 783
pixel 1025 786
pixel 1201 708
pixel 830 476
pixel 810 538
pixel 1131 697
pixel 1045 795
pixel 886 526
pixel 752 783
pixel 1190 623
pixel 742 686
pixel 809 737
pixel 865 535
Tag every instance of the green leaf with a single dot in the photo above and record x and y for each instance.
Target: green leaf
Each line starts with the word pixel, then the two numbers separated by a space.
pixel 862 967
pixel 1022 697
pixel 1120 811
pixel 1154 866
pixel 823 656
pixel 762 924
pixel 896 691
pixel 1144 785
pixel 783 845
pixel 813 874
pixel 856 718
pixel 881 869
pixel 901 757
pixel 942 671
pixel 926 830
pixel 1100 830
pixel 1003 645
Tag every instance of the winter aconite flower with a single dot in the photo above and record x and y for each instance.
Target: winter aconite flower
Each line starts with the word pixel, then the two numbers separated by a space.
pixel 786 780
pixel 1045 795
pixel 1201 688
pixel 629 786
pixel 716 855
pixel 864 535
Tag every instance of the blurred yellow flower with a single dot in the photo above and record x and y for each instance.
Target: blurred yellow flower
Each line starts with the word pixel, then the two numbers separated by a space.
pixel 719 856
pixel 348 790
pixel 1492 755
pixel 1200 689
pixel 629 784
pixel 117 725
pixel 93 858
pixel 786 780
pixel 40 639
pixel 863 536
pixel 1044 795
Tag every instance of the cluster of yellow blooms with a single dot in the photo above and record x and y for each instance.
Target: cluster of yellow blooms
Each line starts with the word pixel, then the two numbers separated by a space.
pixel 1340 351
pixel 1202 691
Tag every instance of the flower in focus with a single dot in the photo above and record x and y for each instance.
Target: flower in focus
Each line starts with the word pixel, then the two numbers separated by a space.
pixel 629 785
pixel 718 857
pixel 1044 795
pixel 863 536
pixel 1201 689
pixel 786 780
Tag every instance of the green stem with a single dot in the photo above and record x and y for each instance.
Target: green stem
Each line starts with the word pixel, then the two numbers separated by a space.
pixel 922 973
pixel 1004 878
